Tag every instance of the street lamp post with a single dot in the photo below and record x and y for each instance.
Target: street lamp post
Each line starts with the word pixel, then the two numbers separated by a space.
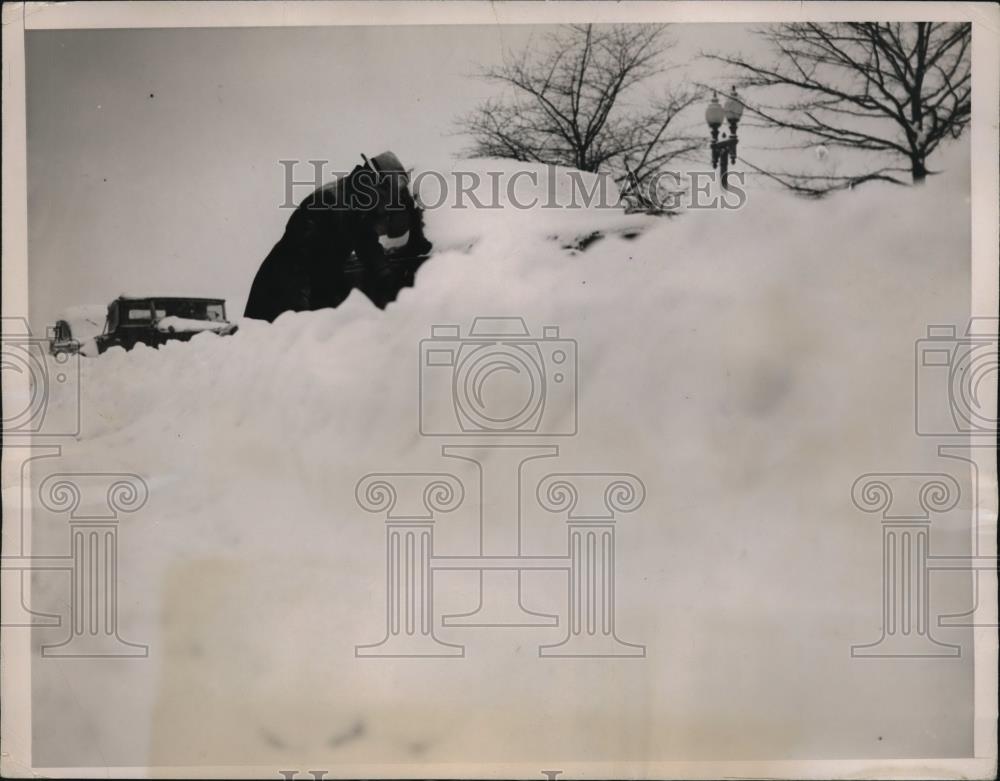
pixel 724 149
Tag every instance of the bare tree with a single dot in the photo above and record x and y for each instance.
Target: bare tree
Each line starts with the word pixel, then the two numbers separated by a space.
pixel 895 89
pixel 566 104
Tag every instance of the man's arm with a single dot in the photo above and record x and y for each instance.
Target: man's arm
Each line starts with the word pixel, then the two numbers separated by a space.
pixel 416 242
pixel 375 276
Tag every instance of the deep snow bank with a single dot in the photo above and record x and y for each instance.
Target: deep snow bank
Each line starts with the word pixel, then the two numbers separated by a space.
pixel 746 365
pixel 741 310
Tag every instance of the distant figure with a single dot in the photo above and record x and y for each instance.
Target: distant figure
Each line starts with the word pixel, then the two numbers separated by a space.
pixel 331 244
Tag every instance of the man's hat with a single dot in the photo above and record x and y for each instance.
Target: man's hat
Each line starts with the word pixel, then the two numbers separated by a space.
pixel 386 163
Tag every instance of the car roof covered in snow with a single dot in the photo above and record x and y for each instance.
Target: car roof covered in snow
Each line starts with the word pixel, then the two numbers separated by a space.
pixel 171 298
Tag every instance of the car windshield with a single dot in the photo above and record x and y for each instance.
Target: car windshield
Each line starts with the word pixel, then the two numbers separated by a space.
pixel 190 310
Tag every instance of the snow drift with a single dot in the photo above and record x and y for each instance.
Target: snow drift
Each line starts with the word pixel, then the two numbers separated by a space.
pixel 746 365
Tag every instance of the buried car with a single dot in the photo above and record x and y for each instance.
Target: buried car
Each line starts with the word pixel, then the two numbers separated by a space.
pixel 156 320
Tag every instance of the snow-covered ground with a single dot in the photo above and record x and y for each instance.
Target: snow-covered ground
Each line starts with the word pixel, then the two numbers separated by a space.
pixel 746 365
